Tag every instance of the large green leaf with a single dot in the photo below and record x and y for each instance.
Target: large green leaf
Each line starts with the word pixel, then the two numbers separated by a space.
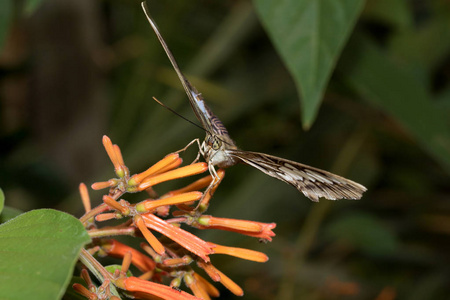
pixel 309 35
pixel 38 252
pixel 396 91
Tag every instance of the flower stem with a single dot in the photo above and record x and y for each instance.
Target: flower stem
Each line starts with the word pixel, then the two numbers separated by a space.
pixel 97 269
pixel 112 231
pixel 92 213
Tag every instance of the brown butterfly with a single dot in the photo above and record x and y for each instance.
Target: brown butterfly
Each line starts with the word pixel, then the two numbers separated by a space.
pixel 219 149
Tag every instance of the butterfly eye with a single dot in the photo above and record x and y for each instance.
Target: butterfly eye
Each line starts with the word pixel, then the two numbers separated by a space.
pixel 216 144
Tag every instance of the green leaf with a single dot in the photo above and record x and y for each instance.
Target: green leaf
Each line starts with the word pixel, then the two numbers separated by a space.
pixel 39 250
pixel 9 213
pixel 364 232
pixel 2 200
pixel 394 90
pixel 6 10
pixel 309 35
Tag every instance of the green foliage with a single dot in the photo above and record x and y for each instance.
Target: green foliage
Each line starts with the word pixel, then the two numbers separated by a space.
pixel 374 86
pixel 39 252
pixel 309 36
pixel 397 92
pixel 31 6
pixel 363 232
pixel 6 9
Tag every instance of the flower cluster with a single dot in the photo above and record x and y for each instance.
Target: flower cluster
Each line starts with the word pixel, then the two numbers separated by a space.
pixel 172 254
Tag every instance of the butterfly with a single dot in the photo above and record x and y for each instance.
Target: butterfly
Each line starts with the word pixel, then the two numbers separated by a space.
pixel 218 149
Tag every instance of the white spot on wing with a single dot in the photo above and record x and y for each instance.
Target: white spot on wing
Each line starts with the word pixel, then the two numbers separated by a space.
pixel 319 177
pixel 291 174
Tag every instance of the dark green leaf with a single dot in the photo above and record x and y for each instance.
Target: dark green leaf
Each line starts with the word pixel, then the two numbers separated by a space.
pixel 309 35
pixel 38 252
pixel 394 90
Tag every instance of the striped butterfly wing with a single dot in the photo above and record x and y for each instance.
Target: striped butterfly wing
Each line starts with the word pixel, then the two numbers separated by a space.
pixel 312 182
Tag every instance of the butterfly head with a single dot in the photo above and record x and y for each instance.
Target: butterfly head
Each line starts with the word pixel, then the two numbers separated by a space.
pixel 215 148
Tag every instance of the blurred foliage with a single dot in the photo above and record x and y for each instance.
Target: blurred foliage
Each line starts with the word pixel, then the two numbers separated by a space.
pixel 74 70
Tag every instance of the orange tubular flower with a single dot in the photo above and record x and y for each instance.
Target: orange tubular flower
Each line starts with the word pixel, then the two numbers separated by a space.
pixel 210 270
pixel 240 252
pixel 230 284
pixel 195 186
pixel 200 287
pixel 219 276
pixel 185 239
pixel 194 286
pixel 104 184
pixel 115 156
pixel 265 235
pixel 116 249
pixel 250 228
pixel 174 174
pixel 113 204
pixel 173 160
pixel 150 205
pixel 105 217
pixel 85 197
pixel 80 289
pixel 206 286
pixel 148 290
pixel 242 225
pixel 151 239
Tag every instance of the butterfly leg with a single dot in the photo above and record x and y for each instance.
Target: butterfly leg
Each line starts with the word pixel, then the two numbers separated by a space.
pixel 188 145
pixel 216 178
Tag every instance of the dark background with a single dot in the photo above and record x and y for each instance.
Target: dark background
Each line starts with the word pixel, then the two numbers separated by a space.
pixel 75 70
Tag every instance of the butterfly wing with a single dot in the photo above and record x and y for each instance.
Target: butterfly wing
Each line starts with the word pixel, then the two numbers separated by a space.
pixel 201 110
pixel 312 182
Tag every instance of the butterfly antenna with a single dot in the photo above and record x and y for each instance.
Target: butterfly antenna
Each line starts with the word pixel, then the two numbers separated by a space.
pixel 174 112
pixel 186 119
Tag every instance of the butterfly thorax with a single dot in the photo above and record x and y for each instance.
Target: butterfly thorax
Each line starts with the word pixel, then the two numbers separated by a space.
pixel 216 148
